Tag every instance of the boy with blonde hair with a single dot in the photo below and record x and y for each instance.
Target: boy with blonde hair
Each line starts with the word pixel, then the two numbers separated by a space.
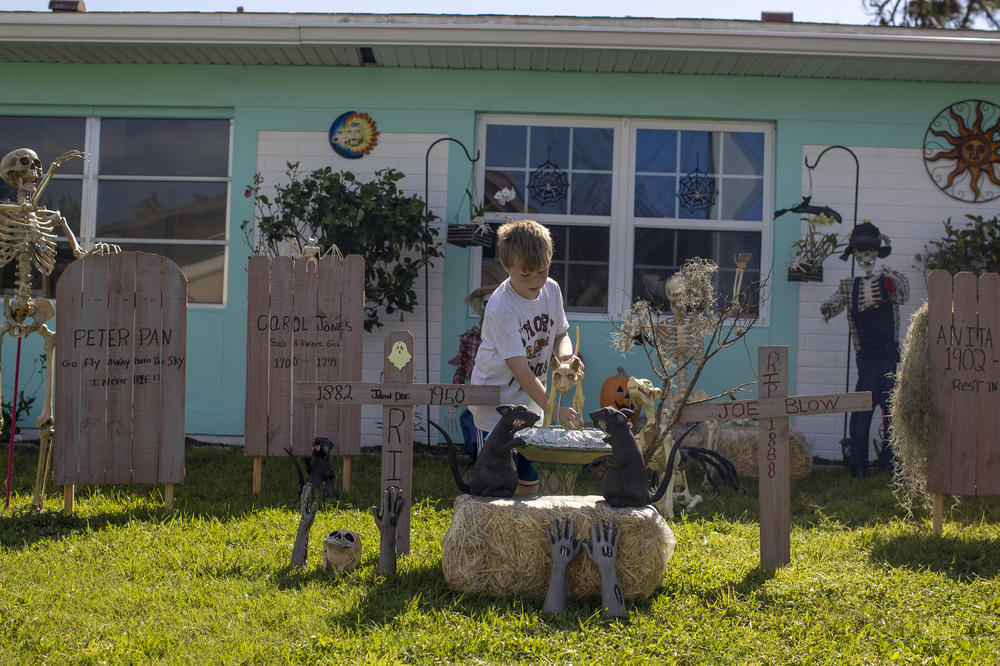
pixel 523 327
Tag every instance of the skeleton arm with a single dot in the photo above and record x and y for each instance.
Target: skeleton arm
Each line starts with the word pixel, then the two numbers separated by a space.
pixel 834 305
pixel 56 163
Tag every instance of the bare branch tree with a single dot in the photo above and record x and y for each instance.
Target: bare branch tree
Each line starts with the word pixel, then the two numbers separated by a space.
pixel 706 326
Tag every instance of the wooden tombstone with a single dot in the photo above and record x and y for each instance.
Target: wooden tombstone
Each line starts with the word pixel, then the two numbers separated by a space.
pixel 305 322
pixel 398 395
pixel 963 329
pixel 773 408
pixel 120 364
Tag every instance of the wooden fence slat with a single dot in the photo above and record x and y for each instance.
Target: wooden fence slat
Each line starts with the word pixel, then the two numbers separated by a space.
pixel 304 352
pixel 120 359
pixel 148 436
pixel 172 338
pixel 963 403
pixel 67 362
pixel 328 306
pixel 258 326
pixel 987 407
pixel 939 319
pixel 94 325
pixel 352 316
pixel 279 394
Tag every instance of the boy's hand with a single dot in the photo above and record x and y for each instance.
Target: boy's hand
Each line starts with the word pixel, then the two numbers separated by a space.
pixel 568 418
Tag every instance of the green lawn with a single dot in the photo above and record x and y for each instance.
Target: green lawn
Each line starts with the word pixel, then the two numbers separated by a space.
pixel 122 581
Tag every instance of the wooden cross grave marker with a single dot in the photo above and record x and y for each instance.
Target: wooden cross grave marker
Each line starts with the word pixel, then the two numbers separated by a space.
pixel 773 407
pixel 397 395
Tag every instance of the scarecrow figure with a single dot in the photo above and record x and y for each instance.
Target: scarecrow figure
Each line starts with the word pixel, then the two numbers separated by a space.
pixel 872 303
pixel 465 359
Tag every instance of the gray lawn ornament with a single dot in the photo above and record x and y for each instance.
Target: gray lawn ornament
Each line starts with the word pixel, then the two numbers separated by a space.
pixel 564 549
pixel 308 513
pixel 604 553
pixel 341 550
pixel 28 233
pixel 386 519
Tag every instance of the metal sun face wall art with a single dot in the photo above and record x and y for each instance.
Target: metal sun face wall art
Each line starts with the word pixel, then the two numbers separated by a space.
pixel 962 151
pixel 353 135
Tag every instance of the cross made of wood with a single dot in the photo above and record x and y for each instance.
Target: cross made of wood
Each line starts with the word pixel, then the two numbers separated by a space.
pixel 773 407
pixel 398 395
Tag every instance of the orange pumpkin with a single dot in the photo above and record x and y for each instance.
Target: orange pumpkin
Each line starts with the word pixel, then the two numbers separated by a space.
pixel 614 391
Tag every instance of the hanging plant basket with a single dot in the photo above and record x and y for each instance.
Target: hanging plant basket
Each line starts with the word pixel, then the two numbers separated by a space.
pixel 470 235
pixel 805 273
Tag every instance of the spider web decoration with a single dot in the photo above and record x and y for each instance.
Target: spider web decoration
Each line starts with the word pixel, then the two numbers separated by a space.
pixel 548 183
pixel 696 191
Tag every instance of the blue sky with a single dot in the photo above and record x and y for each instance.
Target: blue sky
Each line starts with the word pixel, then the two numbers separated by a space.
pixel 830 11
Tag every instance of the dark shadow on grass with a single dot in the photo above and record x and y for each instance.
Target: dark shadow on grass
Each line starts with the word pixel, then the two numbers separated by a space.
pixel 958 558
pixel 753 580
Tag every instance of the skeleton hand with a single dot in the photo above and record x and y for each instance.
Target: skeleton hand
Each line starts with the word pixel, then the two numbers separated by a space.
pixel 392 506
pixel 67 156
pixel 104 249
pixel 604 553
pixel 562 545
pixel 387 518
pixel 564 548
pixel 307 512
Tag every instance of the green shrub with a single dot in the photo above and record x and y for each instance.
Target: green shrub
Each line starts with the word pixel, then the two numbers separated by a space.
pixel 374 219
pixel 974 248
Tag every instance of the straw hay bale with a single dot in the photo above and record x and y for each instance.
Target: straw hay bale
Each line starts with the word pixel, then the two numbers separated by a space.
pixel 738 442
pixel 498 547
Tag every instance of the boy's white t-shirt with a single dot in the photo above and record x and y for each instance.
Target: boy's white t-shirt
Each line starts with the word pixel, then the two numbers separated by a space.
pixel 516 326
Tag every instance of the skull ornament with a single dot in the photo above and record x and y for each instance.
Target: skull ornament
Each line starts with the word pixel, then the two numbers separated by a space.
pixel 21 169
pixel 341 550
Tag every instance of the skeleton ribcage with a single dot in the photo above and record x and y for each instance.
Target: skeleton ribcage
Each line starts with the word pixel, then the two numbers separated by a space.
pixel 30 236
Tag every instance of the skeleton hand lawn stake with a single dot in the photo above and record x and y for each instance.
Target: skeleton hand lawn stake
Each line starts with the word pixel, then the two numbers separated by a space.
pixel 387 518
pixel 28 233
pixel 308 515
pixel 564 549
pixel 604 554
pixel 872 303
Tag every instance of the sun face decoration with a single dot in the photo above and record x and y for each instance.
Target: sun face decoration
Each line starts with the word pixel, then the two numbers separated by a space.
pixel 962 151
pixel 353 135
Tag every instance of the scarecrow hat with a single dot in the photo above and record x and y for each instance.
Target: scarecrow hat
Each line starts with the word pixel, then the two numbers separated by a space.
pixel 866 236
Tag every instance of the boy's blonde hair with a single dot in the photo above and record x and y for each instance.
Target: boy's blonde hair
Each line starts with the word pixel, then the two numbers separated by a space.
pixel 525 245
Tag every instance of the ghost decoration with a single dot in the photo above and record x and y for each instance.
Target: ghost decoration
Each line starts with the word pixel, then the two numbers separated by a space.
pixel 341 550
pixel 399 356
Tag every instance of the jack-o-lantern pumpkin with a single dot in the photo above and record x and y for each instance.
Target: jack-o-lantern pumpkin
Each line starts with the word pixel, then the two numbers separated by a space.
pixel 614 391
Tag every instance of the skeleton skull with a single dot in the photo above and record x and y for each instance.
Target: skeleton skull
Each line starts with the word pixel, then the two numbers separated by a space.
pixel 866 259
pixel 21 168
pixel 341 550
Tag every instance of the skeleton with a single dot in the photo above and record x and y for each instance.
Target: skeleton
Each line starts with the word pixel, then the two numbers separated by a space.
pixel 28 234
pixel 341 550
pixel 566 375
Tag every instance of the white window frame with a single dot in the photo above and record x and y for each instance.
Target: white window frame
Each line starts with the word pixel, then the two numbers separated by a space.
pixel 622 220
pixel 88 196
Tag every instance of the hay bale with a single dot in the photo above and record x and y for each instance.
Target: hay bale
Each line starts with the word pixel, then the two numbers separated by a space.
pixel 498 547
pixel 738 442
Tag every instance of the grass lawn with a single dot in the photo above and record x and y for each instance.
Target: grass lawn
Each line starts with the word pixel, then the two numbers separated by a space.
pixel 122 581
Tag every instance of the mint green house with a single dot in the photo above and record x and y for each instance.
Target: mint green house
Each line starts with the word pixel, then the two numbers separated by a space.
pixel 667 139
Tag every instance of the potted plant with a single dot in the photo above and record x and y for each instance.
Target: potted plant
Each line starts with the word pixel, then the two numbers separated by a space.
pixel 478 230
pixel 812 249
pixel 372 218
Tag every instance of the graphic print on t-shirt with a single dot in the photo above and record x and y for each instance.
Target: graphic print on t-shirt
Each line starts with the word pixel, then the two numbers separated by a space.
pixel 535 340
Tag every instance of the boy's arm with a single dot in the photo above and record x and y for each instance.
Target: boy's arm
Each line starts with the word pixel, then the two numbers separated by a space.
pixel 562 348
pixel 523 375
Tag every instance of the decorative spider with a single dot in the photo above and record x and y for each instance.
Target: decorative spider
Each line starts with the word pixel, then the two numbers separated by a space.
pixel 968 147
pixel 548 183
pixel 696 191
